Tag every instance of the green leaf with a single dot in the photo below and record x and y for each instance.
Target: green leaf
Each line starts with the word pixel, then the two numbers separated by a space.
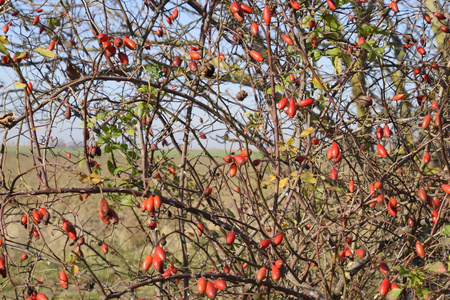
pixel 215 234
pixel 3 49
pixel 110 165
pixel 317 55
pixel 331 23
pixel 334 52
pixel 446 230
pixel 369 29
pixel 339 3
pixel 45 52
pixel 417 277
pixel 317 84
pixel 336 188
pixel 399 54
pixel 308 178
pixel 393 294
pixel 144 89
pixel 116 132
pixel 107 148
pixel 347 59
pixel 53 22
pixel 402 271
pixel 310 187
pixel 119 169
pixel 279 88
pixel 126 200
pixel 230 213
pixel 437 267
pixel 423 293
pixel 307 132
pixel 367 46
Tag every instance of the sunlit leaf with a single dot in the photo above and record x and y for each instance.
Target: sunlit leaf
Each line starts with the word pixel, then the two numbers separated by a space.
pixel 307 132
pixel 317 55
pixel 283 182
pixel 46 53
pixel 317 83
pixel 74 270
pixel 337 64
pixel 20 54
pixel 144 89
pixel 20 84
pixel 93 178
pixel 334 52
pixel 3 49
pixel 130 131
pixel 4 40
pixel 290 142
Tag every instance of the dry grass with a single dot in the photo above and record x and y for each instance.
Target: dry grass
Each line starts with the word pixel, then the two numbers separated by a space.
pixel 127 237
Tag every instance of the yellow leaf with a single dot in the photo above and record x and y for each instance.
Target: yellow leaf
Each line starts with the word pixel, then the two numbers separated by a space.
pixel 290 142
pixel 4 40
pixel 74 270
pixel 308 178
pixel 95 178
pixel 283 182
pixel 317 84
pixel 20 84
pixel 83 177
pixel 45 52
pixel 307 132
pixel 337 63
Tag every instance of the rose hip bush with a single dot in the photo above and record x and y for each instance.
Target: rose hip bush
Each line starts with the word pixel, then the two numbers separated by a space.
pixel 331 117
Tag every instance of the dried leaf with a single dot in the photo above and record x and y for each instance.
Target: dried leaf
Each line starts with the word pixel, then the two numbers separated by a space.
pixel 437 267
pixel 7 120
